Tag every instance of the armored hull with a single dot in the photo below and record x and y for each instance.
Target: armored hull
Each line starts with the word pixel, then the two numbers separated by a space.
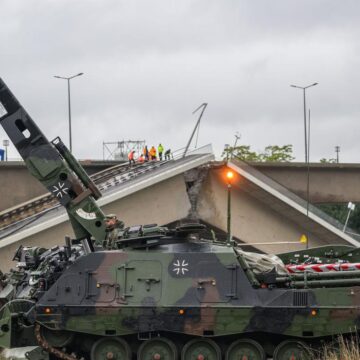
pixel 132 292
pixel 185 300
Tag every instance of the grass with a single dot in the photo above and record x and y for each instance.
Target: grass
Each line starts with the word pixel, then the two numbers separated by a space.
pixel 345 349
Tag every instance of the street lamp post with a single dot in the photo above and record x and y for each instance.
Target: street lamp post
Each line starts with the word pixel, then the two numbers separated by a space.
pixel 6 143
pixel 337 150
pixel 305 131
pixel 227 150
pixel 351 208
pixel 69 102
pixel 229 176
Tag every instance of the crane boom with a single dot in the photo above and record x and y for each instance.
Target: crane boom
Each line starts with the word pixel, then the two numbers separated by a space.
pixel 55 167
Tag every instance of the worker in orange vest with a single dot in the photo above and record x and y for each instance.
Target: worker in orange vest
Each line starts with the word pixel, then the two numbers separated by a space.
pixel 152 153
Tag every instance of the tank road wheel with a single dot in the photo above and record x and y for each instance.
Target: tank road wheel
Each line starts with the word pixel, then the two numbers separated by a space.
pixel 57 338
pixel 110 349
pixel 291 350
pixel 245 349
pixel 201 349
pixel 158 349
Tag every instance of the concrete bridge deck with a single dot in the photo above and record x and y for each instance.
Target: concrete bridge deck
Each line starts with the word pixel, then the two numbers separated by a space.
pixel 263 211
pixel 329 182
pixel 314 222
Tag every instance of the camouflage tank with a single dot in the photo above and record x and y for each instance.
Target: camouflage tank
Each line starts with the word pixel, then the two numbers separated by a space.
pixel 154 293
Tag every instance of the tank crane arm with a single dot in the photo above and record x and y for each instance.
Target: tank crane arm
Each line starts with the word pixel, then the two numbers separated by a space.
pixel 55 167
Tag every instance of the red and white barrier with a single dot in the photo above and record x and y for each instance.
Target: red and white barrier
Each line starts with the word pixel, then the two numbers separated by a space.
pixel 320 268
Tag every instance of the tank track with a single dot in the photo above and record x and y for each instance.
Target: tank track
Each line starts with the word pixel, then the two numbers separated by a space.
pixel 50 349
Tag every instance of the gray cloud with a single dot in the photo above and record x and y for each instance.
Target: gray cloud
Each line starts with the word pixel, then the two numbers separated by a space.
pixel 149 64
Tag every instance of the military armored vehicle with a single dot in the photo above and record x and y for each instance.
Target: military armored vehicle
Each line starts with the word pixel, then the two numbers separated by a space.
pixel 154 293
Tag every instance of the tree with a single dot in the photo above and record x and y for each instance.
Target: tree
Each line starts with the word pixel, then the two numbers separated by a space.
pixel 277 153
pixel 271 153
pixel 337 211
pixel 340 211
pixel 242 152
pixel 328 161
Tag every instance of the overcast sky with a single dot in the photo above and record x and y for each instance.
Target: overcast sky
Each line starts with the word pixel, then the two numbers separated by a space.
pixel 148 64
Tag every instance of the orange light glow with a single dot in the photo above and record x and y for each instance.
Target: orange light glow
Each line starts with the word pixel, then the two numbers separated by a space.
pixel 47 311
pixel 229 175
pixel 313 312
pixel 181 311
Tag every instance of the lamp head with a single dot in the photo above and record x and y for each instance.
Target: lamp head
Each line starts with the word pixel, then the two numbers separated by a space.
pixel 229 175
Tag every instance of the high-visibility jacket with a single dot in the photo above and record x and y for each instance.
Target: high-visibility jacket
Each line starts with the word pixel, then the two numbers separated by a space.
pixel 152 152
pixel 131 155
pixel 160 149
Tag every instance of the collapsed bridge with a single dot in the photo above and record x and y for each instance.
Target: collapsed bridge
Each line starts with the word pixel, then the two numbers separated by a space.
pixel 263 211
